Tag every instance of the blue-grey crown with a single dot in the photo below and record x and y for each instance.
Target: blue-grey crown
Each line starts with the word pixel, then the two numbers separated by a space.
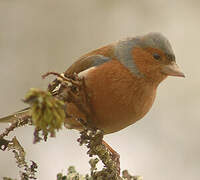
pixel 123 49
pixel 158 41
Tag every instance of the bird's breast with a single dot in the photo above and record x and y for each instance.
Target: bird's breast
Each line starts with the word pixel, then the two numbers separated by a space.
pixel 118 98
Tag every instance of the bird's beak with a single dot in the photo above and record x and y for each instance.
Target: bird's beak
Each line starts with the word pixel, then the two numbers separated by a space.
pixel 172 70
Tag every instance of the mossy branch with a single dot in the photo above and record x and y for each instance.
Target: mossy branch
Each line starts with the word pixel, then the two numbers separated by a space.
pixel 47 113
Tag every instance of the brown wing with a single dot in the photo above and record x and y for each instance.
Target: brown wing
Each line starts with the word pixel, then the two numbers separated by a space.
pixel 85 63
pixel 82 64
pixel 91 59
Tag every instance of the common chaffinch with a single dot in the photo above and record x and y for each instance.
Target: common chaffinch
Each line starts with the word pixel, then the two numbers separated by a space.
pixel 121 80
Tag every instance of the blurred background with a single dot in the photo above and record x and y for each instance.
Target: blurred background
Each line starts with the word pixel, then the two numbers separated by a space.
pixel 37 36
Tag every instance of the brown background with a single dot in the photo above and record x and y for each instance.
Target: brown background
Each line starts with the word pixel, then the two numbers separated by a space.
pixel 37 36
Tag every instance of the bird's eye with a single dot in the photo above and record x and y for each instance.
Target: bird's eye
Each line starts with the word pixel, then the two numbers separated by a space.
pixel 156 56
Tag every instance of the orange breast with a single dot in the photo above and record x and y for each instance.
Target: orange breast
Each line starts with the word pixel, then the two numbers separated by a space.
pixel 118 98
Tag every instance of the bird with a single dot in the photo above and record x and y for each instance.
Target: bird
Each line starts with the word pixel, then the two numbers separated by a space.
pixel 122 80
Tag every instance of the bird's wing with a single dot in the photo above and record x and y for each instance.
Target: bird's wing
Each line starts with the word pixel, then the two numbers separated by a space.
pixel 86 62
pixel 80 65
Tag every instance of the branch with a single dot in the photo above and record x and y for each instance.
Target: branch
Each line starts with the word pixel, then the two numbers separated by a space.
pixel 47 114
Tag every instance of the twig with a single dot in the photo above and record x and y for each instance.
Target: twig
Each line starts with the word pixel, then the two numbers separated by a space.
pixel 93 140
pixel 64 78
pixel 21 121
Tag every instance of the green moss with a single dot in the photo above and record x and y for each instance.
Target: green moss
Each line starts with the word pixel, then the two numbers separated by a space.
pixel 47 111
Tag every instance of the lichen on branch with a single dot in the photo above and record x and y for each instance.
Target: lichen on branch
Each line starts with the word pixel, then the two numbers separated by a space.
pixel 47 113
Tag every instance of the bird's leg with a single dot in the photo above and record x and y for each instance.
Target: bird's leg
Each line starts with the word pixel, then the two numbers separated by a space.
pixel 115 155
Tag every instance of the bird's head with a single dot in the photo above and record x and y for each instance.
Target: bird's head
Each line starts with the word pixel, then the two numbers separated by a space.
pixel 154 57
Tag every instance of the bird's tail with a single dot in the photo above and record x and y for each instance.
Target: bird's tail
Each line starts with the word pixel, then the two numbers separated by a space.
pixel 14 116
